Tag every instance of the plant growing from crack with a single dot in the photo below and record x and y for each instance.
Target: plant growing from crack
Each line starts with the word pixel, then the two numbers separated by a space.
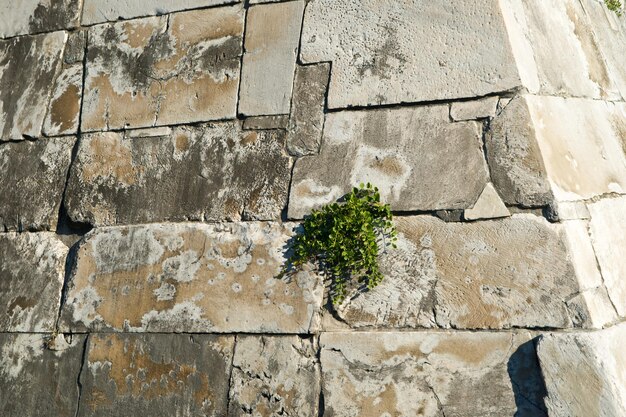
pixel 614 5
pixel 344 239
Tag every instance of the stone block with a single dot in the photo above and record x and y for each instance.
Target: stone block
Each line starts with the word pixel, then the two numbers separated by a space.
pixel 63 115
pixel 33 178
pixel 156 375
pixel 463 50
pixel 472 110
pixel 194 278
pixel 266 122
pixel 173 69
pixel 36 16
pixel 274 375
pixel 270 58
pixel 488 206
pixel 415 155
pixel 204 172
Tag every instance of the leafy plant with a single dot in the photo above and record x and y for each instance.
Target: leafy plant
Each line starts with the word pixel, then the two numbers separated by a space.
pixel 343 239
pixel 614 5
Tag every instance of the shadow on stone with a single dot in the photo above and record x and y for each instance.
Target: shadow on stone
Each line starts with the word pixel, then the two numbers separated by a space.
pixel 527 382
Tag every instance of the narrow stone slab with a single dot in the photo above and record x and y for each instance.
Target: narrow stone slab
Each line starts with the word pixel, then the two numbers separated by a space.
pixel 415 155
pixel 99 11
pixel 28 69
pixel 274 375
pixel 156 374
pixel 462 53
pixel 266 122
pixel 32 272
pixel 63 116
pixel 190 278
pixel 164 70
pixel 488 206
pixel 186 173
pixel 36 16
pixel 427 374
pixel 270 58
pixel 472 110
pixel 33 177
pixel 27 367
pixel 584 372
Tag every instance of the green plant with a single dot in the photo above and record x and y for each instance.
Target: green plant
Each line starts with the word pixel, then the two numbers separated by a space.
pixel 343 238
pixel 614 5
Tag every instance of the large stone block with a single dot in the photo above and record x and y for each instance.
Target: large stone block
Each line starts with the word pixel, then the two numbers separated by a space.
pixel 99 11
pixel 426 374
pixel 463 50
pixel 190 278
pixel 584 372
pixel 163 70
pixel 36 381
pixel 33 178
pixel 205 172
pixel 35 16
pixel 274 375
pixel 32 272
pixel 156 375
pixel 270 58
pixel 416 156
pixel 28 69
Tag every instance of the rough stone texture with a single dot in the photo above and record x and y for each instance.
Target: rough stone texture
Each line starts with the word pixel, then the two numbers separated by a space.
pixel 28 69
pixel 32 271
pixel 492 274
pixel 191 278
pixel 408 153
pixel 266 122
pixel 35 16
pixel 425 374
pixel 307 109
pixel 206 172
pixel 98 11
pixel 270 58
pixel 179 68
pixel 488 206
pixel 584 373
pixel 274 376
pixel 64 112
pixel 33 177
pixel 472 110
pixel 38 381
pixel 463 50
pixel 157 374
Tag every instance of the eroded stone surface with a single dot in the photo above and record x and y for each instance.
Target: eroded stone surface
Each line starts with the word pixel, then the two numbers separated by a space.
pixel 33 177
pixel 408 153
pixel 63 114
pixel 35 16
pixel 472 110
pixel 274 375
pixel 28 69
pixel 584 372
pixel 425 374
pixel 206 172
pixel 463 50
pixel 164 70
pixel 191 278
pixel 270 58
pixel 38 381
pixel 156 374
pixel 266 122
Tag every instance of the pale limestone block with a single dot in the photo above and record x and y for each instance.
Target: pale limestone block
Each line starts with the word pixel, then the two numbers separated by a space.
pixel 472 110
pixel 20 17
pixel 488 206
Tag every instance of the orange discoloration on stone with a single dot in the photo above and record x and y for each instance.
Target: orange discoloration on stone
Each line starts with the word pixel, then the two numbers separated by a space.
pixel 138 33
pixel 64 110
pixel 111 158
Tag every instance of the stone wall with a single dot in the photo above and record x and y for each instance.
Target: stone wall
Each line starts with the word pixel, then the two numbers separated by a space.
pixel 155 157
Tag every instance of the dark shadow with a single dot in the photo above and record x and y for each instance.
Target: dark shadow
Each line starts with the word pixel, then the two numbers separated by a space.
pixel 528 385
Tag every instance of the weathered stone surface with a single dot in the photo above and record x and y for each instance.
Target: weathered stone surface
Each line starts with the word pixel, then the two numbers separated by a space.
pixel 409 153
pixel 98 11
pixel 35 16
pixel 307 109
pixel 492 274
pixel 463 50
pixel 164 70
pixel 424 374
pixel 206 172
pixel 488 206
pixel 191 278
pixel 33 177
pixel 156 374
pixel 270 58
pixel 572 210
pixel 36 381
pixel 472 110
pixel 266 122
pixel 592 309
pixel 28 68
pixel 32 271
pixel 584 372
pixel 63 115
pixel 274 375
